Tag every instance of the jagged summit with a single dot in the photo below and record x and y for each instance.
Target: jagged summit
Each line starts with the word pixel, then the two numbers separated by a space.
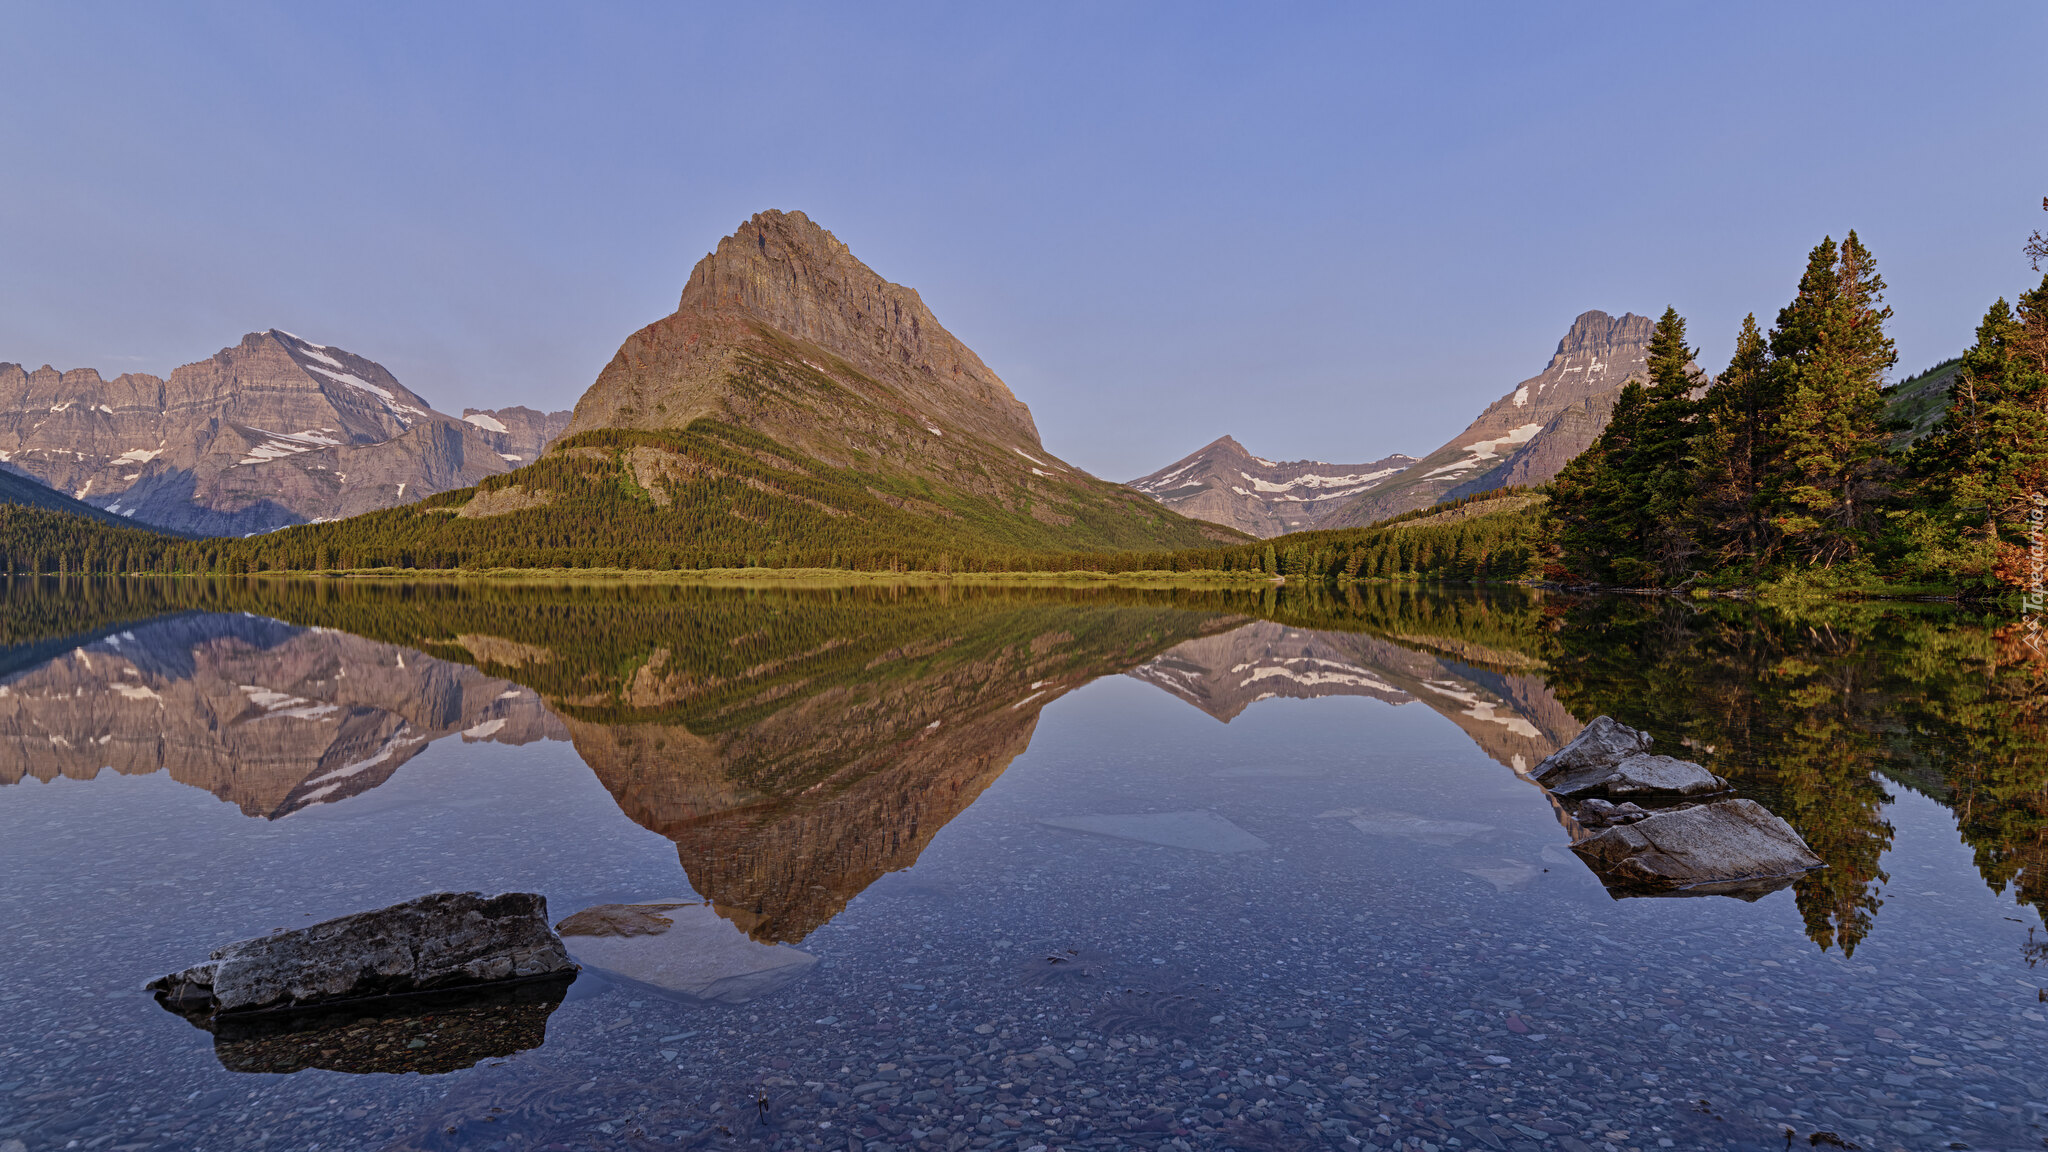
pixel 1224 483
pixel 782 271
pixel 1526 436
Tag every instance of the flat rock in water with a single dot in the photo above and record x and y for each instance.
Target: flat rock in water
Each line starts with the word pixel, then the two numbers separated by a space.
pixel 683 947
pixel 1611 759
pixel 439 942
pixel 1729 846
pixel 1201 831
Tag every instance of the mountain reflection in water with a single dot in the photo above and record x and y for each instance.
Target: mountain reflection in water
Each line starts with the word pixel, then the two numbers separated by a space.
pixel 796 745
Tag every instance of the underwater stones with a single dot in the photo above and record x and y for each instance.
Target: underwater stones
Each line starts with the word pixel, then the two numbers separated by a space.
pixel 682 947
pixel 1379 824
pixel 1200 831
pixel 1732 847
pixel 1610 759
pixel 438 942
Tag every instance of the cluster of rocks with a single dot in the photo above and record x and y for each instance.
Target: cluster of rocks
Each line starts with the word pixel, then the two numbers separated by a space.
pixel 1730 846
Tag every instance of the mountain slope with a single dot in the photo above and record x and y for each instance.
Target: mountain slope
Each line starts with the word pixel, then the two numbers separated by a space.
pixel 276 430
pixel 1918 402
pixel 796 408
pixel 29 493
pixel 1528 435
pixel 1224 484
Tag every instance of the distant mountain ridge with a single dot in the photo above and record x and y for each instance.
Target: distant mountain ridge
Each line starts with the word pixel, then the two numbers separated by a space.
pixel 1225 484
pixel 1529 434
pixel 274 431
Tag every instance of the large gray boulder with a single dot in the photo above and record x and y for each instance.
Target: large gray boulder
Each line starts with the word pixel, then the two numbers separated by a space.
pixel 1726 846
pixel 446 940
pixel 1610 759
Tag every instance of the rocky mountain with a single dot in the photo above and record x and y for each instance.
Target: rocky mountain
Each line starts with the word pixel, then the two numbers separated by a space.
pixel 1224 484
pixel 519 434
pixel 274 431
pixel 783 334
pixel 266 716
pixel 1528 435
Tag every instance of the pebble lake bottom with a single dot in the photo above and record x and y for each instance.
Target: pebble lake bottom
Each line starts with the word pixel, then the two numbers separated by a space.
pixel 1332 922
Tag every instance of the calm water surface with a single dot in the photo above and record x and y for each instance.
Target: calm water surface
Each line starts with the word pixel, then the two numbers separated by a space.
pixel 1059 869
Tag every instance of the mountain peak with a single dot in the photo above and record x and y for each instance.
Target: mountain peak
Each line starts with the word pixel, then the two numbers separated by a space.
pixel 781 271
pixel 1528 435
pixel 1596 330
pixel 1225 484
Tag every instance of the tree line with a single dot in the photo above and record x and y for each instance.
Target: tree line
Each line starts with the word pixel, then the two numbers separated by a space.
pixel 1792 466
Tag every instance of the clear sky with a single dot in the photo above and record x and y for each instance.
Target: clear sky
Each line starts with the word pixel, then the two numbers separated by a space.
pixel 1334 231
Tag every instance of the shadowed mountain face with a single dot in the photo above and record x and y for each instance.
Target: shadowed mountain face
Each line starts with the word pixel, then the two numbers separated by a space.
pixel 1224 484
pixel 274 431
pixel 798 745
pixel 1527 436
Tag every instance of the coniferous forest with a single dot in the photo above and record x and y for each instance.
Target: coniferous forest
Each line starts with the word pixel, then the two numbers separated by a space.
pixel 1798 466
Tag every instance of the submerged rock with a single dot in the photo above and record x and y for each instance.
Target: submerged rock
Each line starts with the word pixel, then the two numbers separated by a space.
pixel 683 947
pixel 1196 831
pixel 1731 847
pixel 439 942
pixel 1613 760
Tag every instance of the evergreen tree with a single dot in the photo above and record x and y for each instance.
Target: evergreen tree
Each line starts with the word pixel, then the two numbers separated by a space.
pixel 1982 469
pixel 1663 463
pixel 1623 506
pixel 1593 500
pixel 1829 355
pixel 1729 447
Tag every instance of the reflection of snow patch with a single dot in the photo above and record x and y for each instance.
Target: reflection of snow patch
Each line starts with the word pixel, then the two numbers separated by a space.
pixel 1479 709
pixel 484 730
pixel 137 692
pixel 1312 679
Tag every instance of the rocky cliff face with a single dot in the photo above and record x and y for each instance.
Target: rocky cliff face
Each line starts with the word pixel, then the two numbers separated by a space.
pixel 276 430
pixel 1224 484
pixel 268 717
pixel 1528 435
pixel 519 434
pixel 1512 715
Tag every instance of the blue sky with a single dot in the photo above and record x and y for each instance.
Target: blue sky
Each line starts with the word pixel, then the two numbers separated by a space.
pixel 1333 231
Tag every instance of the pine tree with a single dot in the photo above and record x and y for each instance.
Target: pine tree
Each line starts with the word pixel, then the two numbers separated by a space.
pixel 1592 500
pixel 1624 506
pixel 1827 436
pixel 1981 470
pixel 1728 520
pixel 1663 465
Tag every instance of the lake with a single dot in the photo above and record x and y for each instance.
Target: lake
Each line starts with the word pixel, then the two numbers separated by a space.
pixel 957 868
